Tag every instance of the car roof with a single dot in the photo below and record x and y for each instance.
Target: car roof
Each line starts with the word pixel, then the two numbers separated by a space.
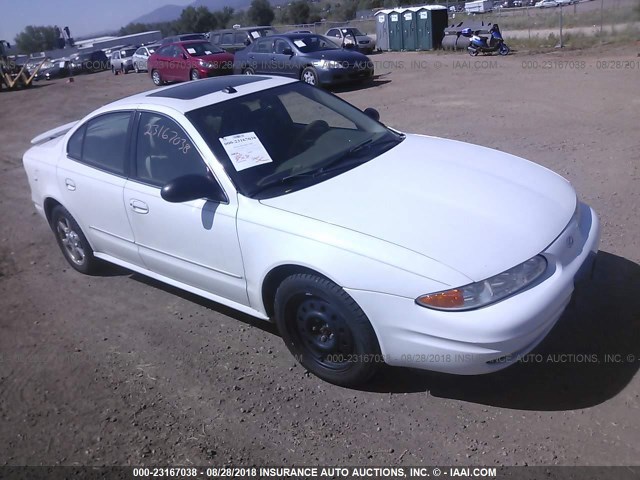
pixel 189 96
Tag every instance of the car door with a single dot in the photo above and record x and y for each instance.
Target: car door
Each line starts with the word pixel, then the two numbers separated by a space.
pixel 259 55
pixel 283 63
pixel 194 242
pixel 115 61
pixel 166 62
pixel 335 35
pixel 92 176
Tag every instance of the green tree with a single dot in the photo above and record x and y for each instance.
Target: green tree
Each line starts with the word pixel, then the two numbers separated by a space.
pixel 36 39
pixel 260 12
pixel 298 12
pixel 224 16
pixel 197 20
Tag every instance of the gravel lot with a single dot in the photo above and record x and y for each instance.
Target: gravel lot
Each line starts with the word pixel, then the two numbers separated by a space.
pixel 119 369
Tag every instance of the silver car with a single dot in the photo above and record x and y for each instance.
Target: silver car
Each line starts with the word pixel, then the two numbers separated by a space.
pixel 141 57
pixel 122 60
pixel 352 37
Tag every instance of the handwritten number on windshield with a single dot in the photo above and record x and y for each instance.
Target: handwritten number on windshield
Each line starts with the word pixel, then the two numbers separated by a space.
pixel 170 136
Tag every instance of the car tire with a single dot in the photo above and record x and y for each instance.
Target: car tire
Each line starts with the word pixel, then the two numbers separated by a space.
pixel 194 74
pixel 135 68
pixel 72 242
pixel 156 77
pixel 113 70
pixel 124 69
pixel 326 330
pixel 249 71
pixel 309 76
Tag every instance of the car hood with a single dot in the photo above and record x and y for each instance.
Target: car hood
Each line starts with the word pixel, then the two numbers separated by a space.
pixel 338 55
pixel 476 210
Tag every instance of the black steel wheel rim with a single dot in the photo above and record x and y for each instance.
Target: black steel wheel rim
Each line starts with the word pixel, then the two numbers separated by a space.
pixel 322 333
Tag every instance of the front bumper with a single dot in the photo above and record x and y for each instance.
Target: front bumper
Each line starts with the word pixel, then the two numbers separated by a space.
pixel 490 338
pixel 333 76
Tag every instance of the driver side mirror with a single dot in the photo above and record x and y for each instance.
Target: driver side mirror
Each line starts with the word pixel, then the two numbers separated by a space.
pixel 192 187
pixel 372 113
pixel 287 51
pixel 184 56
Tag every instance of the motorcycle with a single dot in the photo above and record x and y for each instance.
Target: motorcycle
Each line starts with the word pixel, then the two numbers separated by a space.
pixel 481 45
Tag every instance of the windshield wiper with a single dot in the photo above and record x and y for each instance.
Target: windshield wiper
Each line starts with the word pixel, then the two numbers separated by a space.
pixel 338 162
pixel 282 181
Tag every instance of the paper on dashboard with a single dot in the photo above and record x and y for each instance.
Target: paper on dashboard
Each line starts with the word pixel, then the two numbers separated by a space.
pixel 245 150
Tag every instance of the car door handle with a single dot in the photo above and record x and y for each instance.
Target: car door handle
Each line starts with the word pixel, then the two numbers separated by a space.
pixel 138 206
pixel 71 185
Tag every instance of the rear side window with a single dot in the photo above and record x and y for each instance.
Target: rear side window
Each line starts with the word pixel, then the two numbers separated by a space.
pixel 105 142
pixel 74 146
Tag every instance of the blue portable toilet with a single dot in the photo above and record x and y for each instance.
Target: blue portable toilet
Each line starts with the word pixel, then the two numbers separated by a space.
pixel 382 29
pixel 395 31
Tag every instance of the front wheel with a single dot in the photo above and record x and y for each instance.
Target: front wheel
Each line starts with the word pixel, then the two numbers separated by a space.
pixel 504 49
pixel 124 69
pixel 157 79
pixel 113 70
pixel 135 68
pixel 326 330
pixel 309 76
pixel 195 75
pixel 249 71
pixel 72 242
pixel 473 52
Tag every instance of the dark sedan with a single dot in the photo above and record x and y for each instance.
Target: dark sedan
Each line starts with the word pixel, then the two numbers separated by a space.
pixel 54 69
pixel 314 59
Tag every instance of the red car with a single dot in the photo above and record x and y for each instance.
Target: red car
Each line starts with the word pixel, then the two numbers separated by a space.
pixel 189 60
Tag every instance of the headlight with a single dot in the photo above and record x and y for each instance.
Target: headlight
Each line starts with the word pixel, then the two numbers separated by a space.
pixel 328 64
pixel 491 290
pixel 205 64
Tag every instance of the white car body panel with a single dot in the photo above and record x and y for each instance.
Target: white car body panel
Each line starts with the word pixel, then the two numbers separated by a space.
pixel 428 215
pixel 457 213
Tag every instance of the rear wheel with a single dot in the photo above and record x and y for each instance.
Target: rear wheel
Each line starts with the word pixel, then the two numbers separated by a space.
pixel 156 77
pixel 309 76
pixel 72 242
pixel 326 330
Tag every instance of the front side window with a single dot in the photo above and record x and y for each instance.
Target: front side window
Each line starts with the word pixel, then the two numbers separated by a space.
pixel 102 142
pixel 164 152
pixel 289 137
pixel 280 46
pixel 227 39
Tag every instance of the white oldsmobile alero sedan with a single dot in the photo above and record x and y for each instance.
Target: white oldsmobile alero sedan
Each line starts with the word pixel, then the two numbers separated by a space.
pixel 363 244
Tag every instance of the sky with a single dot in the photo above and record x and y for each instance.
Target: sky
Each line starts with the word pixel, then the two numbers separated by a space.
pixel 83 17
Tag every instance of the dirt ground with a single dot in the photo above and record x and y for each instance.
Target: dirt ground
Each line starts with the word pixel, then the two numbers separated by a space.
pixel 119 369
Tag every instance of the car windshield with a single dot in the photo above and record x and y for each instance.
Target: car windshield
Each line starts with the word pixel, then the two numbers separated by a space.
pixel 353 31
pixel 290 137
pixel 127 52
pixel 201 49
pixel 313 43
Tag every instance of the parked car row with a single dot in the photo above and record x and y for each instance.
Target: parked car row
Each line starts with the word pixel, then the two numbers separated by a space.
pixel 315 59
